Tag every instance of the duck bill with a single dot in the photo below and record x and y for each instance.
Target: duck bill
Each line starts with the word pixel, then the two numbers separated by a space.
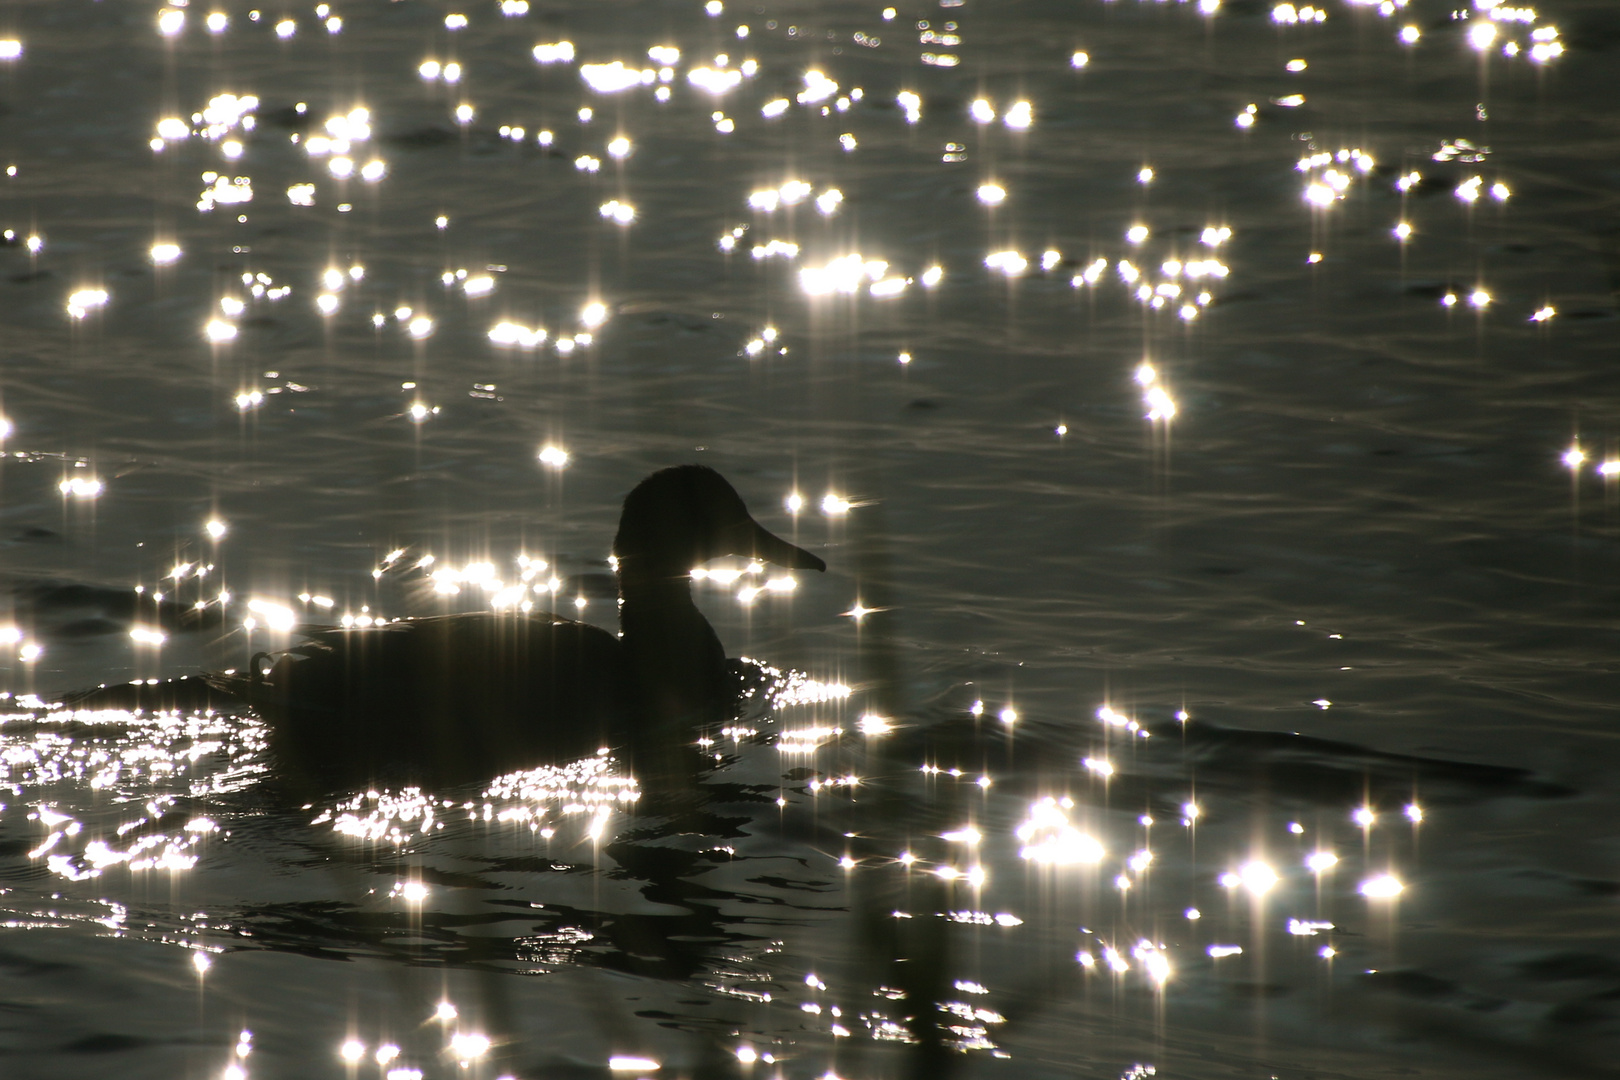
pixel 773 549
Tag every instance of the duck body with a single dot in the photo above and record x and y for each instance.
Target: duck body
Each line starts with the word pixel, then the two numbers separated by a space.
pixel 443 699
pixel 469 696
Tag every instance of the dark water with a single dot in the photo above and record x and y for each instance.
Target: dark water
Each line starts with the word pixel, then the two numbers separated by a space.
pixel 1356 572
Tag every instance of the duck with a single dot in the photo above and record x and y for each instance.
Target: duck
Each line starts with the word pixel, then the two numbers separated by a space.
pixel 444 699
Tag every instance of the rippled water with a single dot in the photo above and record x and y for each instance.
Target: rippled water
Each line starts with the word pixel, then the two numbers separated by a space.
pixel 1245 645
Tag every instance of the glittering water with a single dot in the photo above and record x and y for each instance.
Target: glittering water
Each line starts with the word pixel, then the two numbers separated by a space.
pixel 1205 411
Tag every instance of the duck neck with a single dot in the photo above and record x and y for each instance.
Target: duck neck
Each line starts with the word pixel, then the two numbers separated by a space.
pixel 675 660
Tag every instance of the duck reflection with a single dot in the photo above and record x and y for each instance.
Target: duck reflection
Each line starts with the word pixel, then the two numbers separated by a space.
pixel 462 697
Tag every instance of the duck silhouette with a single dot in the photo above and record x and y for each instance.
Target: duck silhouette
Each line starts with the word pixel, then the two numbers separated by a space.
pixel 470 696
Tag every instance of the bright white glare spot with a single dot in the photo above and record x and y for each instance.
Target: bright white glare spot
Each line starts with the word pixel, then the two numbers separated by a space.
pixel 1079 60
pixel 1136 233
pixel 468 1046
pixel 992 194
pixel 1257 877
pixel 163 254
pixel 1382 887
pixel 625 1062
pixel 621 212
pixel 1482 34
pixel 218 330
pixel 277 617
pixel 1414 812
pixel 932 276
pixel 1364 816
pixel 249 400
pixel 747 1055
pixel 1307 927
pixel 482 285
pixel 1479 298
pixel 455 21
pixel 217 21
pixel 845 274
pixel 1145 175
pixel 1219 951
pixel 1100 766
pixel 612 78
pixel 373 171
pixel 1020 116
pixel 1402 231
pixel 817 88
pixel 326 303
pixel 716 81
pixel 352 1050
pixel 593 314
pixel 1010 263
pixel 555 52
pixel 445 1012
pixel 419 327
pixel 828 201
pixel 1610 468
pixel 301 194
pixel 171 22
pixel 981 111
pixel 714 7
pixel 1542 314
pixel 834 505
pixel 286 28
pixel 1409 35
pixel 334 25
pixel 464 114
pixel 1245 119
pixel 911 104
pixel 80 303
pixel 1296 65
pixel 1321 861
pixel 873 724
pixel 554 456
pixel 201 961
pixel 1573 457
pixel 146 635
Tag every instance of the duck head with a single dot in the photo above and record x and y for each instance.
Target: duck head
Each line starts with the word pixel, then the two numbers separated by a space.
pixel 682 517
pixel 673 521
